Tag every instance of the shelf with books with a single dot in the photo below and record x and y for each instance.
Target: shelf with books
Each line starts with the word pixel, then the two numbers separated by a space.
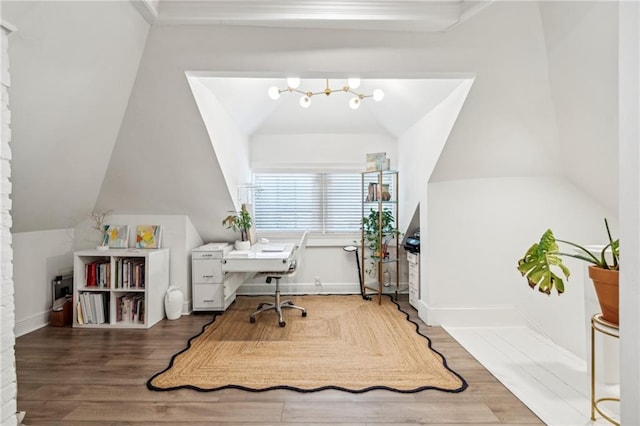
pixel 120 288
pixel 380 237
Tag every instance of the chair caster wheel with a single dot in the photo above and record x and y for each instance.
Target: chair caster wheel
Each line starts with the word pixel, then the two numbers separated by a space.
pixel 282 323
pixel 252 320
pixel 304 314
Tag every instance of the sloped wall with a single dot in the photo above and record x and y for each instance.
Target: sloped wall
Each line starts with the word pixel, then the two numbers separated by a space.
pixel 74 64
pixel 581 40
pixel 164 151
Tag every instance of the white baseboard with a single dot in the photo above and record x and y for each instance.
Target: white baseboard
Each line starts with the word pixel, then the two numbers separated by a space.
pixel 501 316
pixel 32 323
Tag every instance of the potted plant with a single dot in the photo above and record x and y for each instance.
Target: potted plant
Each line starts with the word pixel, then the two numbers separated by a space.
pixel 378 229
pixel 240 222
pixel 541 262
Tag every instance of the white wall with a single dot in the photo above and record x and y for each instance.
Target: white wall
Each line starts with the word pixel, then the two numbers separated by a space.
pixel 419 149
pixel 507 126
pixel 230 146
pixel 74 64
pixel 473 248
pixel 629 106
pixel 39 257
pixel 581 40
pixel 177 234
pixel 8 386
pixel 319 151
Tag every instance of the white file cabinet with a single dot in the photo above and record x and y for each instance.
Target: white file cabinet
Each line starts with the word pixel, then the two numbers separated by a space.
pixel 212 288
pixel 413 259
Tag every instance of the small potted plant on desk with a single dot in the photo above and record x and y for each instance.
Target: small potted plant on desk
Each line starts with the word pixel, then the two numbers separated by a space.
pixel 537 264
pixel 240 222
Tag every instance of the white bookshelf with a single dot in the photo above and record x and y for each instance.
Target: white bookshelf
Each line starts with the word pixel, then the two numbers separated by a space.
pixel 142 290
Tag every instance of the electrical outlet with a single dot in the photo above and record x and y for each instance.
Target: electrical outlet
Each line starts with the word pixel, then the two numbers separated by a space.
pixel 317 281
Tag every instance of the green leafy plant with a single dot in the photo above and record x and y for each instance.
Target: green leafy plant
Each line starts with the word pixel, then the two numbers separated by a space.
pixel 541 262
pixel 378 229
pixel 239 222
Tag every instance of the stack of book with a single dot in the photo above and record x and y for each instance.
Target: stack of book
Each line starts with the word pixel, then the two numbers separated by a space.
pixel 98 274
pixel 93 308
pixel 130 272
pixel 130 308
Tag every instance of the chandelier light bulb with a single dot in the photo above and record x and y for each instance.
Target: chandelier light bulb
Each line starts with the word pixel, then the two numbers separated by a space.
pixel 274 93
pixel 293 82
pixel 378 95
pixel 354 103
pixel 354 82
pixel 305 101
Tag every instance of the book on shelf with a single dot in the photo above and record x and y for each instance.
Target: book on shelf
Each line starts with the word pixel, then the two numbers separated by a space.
pixel 79 316
pixel 98 274
pixel 130 273
pixel 130 308
pixel 93 308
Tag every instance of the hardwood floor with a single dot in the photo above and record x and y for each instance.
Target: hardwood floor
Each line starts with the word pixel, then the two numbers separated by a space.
pixel 98 377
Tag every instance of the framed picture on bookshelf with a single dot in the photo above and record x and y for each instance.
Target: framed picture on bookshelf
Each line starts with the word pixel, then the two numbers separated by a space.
pixel 148 236
pixel 116 236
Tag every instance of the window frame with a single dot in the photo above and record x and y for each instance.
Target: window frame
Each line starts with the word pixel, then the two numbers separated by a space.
pixel 323 237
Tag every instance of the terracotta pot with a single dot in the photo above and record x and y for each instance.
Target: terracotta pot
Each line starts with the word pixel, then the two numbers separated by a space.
pixel 605 282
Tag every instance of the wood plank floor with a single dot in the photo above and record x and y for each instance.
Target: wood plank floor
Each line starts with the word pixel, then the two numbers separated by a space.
pixel 97 377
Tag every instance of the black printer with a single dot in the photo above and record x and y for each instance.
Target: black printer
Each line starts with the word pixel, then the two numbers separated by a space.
pixel 412 243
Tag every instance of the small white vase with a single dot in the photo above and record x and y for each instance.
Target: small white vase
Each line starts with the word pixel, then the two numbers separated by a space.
pixel 243 245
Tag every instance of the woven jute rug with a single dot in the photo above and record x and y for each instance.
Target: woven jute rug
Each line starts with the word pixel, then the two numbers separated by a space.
pixel 344 343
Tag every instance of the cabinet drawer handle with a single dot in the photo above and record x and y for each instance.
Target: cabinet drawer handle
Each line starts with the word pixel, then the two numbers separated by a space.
pixel 208 300
pixel 207 255
pixel 207 276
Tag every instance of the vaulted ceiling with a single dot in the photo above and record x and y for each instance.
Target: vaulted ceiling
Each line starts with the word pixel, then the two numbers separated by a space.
pixel 405 102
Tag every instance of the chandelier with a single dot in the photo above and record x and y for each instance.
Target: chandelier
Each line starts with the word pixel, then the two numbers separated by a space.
pixel 305 100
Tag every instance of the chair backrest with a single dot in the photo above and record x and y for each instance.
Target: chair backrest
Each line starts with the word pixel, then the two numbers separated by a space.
pixel 299 249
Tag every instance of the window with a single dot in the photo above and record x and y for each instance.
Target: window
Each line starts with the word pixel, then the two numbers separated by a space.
pixel 326 203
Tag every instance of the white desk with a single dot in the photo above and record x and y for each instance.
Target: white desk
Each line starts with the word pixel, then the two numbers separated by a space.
pixel 260 259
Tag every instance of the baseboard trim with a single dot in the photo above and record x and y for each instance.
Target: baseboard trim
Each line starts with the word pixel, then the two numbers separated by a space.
pixel 32 323
pixel 501 316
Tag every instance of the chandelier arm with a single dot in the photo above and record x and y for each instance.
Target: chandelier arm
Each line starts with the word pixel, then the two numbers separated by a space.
pixel 360 95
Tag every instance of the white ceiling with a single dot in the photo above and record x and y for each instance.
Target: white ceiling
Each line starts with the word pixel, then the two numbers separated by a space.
pixel 246 100
pixel 405 102
pixel 414 15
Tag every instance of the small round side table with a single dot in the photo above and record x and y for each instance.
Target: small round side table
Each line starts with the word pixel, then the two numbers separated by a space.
pixel 609 329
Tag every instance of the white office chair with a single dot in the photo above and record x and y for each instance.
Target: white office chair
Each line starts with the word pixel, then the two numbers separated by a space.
pixel 277 304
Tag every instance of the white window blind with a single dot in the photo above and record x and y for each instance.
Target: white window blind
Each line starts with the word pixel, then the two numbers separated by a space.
pixel 320 202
